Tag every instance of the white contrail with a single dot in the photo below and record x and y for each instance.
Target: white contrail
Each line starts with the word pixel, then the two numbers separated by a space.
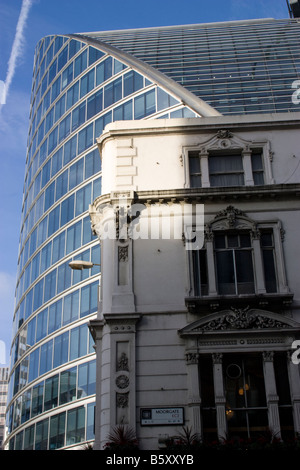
pixel 16 49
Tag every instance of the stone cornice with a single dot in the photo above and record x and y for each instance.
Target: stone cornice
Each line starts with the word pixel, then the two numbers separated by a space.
pixel 233 193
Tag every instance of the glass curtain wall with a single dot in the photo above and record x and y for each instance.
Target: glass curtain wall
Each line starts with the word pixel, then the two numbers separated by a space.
pixel 76 91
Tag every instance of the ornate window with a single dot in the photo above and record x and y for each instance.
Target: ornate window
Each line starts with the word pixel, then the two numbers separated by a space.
pixel 227 160
pixel 238 258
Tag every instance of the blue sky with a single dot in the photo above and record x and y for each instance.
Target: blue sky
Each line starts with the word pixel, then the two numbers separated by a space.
pixel 44 17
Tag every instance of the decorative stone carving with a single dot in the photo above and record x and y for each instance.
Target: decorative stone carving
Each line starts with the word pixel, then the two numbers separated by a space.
pixel 123 253
pixel 122 363
pixel 217 358
pixel 122 381
pixel 224 134
pixel 268 356
pixel 238 319
pixel 192 358
pixel 122 400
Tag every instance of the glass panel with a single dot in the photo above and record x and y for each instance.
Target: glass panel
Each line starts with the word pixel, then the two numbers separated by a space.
pixel 67 391
pixel 90 421
pixel 51 393
pixel 244 271
pixel 41 435
pixel 57 431
pixel 37 399
pixel 225 272
pixel 76 426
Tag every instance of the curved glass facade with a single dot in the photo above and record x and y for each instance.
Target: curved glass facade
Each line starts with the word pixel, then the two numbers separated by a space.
pixel 77 88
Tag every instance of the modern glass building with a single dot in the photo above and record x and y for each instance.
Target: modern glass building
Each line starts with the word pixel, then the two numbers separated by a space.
pixel 80 83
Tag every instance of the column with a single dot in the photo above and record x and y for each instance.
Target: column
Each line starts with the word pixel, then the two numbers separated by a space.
pixel 247 165
pixel 271 393
pixel 211 273
pixel 258 262
pixel 96 329
pixel 294 379
pixel 220 399
pixel 194 399
pixel 205 183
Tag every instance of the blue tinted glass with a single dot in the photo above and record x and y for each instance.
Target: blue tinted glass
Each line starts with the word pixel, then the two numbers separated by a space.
pixel 28 304
pixel 52 71
pixel 72 95
pixel 85 138
pixel 58 250
pixel 104 71
pixel 56 162
pixel 70 148
pixel 41 325
pixel 87 83
pixel 38 294
pixel 94 54
pixel 67 76
pixel 52 141
pixel 31 329
pixel 53 221
pixel 74 47
pixel 62 58
pixel 61 345
pixel 33 365
pixel 55 316
pixel 80 63
pixel 49 196
pixel 50 285
pixel 61 185
pixel 78 116
pixel 83 199
pixel 46 357
pixel 46 257
pixel 95 104
pixel 67 210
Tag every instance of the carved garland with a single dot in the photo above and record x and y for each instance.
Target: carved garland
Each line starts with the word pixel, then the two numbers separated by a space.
pixel 241 319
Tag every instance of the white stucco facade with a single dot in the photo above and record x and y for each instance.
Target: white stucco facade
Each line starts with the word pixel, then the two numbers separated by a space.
pixel 154 326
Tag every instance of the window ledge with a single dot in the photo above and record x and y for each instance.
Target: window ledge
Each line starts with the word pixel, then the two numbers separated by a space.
pixel 207 304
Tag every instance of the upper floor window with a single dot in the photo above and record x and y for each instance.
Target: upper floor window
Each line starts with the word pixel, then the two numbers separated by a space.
pixel 225 169
pixel 226 160
pixel 238 257
pixel 234 263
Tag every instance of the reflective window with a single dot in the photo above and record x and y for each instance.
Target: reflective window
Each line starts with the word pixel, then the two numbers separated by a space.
pixel 80 63
pixel 51 393
pixel 67 389
pixel 75 426
pixel 61 347
pixel 41 435
pixel 104 71
pixel 144 105
pixel 57 431
pixel 133 81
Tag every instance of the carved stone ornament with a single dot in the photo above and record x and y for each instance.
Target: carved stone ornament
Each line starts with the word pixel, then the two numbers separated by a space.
pixel 122 363
pixel 123 253
pixel 122 381
pixel 122 400
pixel 224 134
pixel 239 319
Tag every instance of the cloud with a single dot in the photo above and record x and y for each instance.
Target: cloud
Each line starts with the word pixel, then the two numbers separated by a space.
pixel 16 51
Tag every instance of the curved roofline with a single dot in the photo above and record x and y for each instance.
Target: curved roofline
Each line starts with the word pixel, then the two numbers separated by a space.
pixel 184 26
pixel 182 94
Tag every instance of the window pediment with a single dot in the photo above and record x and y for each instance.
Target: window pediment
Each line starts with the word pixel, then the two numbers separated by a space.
pixel 231 218
pixel 240 319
